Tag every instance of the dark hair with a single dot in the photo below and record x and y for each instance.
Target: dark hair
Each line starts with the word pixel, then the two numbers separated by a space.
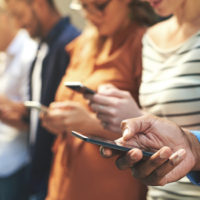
pixel 50 2
pixel 142 13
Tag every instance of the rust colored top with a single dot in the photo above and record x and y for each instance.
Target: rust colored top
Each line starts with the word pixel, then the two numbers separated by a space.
pixel 79 172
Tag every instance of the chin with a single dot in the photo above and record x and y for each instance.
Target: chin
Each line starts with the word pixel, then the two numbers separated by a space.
pixel 163 13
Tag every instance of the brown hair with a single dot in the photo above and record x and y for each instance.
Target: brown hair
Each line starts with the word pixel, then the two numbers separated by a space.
pixel 142 13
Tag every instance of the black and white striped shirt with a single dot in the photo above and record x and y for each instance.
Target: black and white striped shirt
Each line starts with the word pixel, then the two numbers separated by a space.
pixel 170 88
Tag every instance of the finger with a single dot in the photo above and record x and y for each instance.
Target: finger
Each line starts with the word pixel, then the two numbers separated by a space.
pixel 104 87
pixel 88 96
pixel 133 126
pixel 102 99
pixel 99 108
pixel 63 105
pixel 114 92
pixel 106 152
pixel 162 175
pixel 108 118
pixel 129 159
pixel 148 166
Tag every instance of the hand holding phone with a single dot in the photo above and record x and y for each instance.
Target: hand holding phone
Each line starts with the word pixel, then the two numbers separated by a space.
pixel 79 87
pixel 107 143
pixel 35 105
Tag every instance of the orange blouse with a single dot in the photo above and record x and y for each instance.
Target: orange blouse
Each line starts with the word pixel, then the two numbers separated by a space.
pixel 79 172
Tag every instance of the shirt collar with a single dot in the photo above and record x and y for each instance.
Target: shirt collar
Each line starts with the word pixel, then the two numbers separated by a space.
pixel 16 43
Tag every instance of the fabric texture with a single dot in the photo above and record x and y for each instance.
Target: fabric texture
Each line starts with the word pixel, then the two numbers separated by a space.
pixel 170 88
pixel 79 172
pixel 53 68
pixel 14 152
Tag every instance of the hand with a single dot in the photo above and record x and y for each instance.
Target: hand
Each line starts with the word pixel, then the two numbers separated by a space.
pixel 168 164
pixel 12 113
pixel 64 116
pixel 112 106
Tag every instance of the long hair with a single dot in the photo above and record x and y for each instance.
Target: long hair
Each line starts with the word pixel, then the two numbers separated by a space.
pixel 142 13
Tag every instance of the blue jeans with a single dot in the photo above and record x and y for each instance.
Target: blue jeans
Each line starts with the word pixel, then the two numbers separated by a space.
pixel 15 187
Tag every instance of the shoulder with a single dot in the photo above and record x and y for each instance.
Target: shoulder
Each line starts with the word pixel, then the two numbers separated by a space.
pixel 69 33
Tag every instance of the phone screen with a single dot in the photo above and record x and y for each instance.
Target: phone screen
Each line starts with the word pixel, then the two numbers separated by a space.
pixel 107 143
pixel 79 87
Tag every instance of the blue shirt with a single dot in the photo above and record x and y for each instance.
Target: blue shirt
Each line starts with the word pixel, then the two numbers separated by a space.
pixel 53 68
pixel 194 176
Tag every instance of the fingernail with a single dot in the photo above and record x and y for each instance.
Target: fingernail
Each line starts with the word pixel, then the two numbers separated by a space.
pixel 126 132
pixel 178 156
pixel 164 154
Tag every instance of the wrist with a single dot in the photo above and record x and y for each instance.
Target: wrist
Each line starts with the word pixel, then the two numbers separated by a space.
pixel 194 145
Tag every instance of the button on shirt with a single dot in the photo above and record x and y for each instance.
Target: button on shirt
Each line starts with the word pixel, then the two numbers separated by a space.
pixel 14 74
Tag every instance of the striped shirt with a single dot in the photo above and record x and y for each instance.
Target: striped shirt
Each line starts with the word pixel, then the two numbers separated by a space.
pixel 170 88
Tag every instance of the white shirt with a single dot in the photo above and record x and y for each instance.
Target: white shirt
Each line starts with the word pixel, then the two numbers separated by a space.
pixel 14 84
pixel 36 89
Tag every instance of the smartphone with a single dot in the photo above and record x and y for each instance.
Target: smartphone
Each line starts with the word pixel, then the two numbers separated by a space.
pixel 107 143
pixel 79 87
pixel 35 105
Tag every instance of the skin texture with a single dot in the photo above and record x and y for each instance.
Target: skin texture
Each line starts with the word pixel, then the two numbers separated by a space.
pixel 106 24
pixel 172 159
pixel 112 108
pixel 37 16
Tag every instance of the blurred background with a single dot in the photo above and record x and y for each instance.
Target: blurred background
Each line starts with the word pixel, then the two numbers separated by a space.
pixel 63 7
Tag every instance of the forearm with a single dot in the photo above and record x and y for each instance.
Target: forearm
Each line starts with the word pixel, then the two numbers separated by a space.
pixel 195 147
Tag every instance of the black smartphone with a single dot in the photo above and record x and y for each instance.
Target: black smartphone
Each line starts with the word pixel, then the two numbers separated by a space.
pixel 107 143
pixel 35 105
pixel 79 87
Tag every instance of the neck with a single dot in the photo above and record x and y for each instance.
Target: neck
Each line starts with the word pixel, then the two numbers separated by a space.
pixel 52 18
pixel 189 12
pixel 5 44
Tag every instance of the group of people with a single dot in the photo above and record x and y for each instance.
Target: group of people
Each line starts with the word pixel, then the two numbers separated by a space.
pixel 136 68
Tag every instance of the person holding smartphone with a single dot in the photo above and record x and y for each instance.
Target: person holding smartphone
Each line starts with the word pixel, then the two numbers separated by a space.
pixel 170 82
pixel 108 51
pixel 176 150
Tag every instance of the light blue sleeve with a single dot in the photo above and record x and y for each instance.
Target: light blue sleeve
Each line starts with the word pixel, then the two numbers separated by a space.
pixel 194 176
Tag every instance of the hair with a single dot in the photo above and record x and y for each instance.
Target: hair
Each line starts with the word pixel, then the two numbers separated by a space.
pixel 50 3
pixel 142 13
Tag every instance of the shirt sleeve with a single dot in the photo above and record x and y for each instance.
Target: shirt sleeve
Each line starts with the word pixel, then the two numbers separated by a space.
pixel 194 176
